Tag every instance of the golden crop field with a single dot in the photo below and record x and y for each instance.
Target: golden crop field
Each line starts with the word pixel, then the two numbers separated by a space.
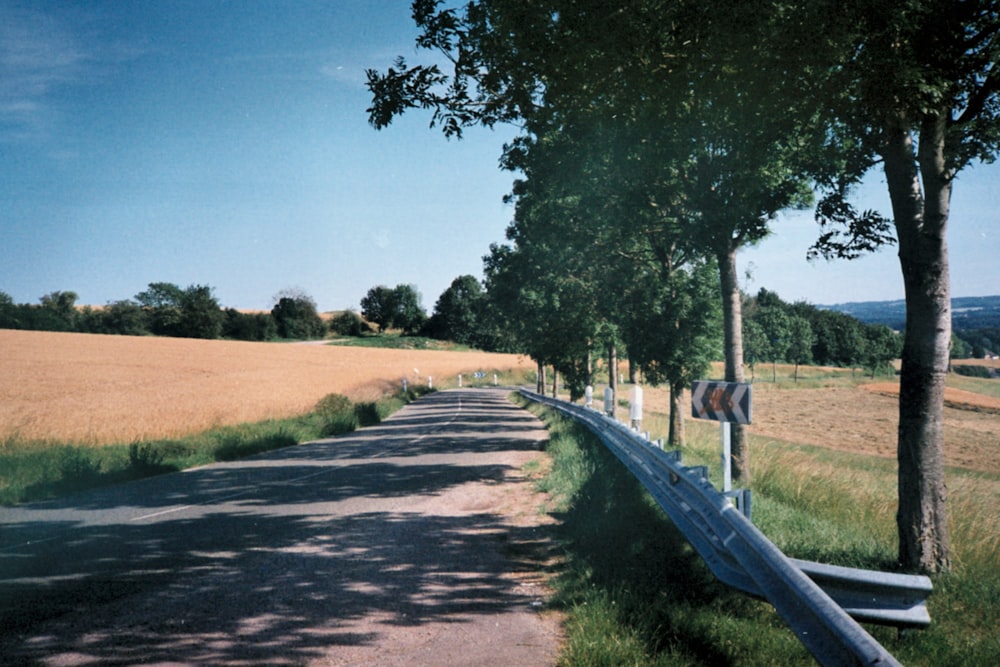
pixel 93 389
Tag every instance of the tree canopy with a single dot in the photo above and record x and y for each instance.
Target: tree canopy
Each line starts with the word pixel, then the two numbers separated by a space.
pixel 681 128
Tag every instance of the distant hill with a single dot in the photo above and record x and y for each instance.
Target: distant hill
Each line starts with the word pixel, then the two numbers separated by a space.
pixel 967 312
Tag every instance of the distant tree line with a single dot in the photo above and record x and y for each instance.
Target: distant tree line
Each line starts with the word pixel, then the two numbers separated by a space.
pixel 799 333
pixel 165 309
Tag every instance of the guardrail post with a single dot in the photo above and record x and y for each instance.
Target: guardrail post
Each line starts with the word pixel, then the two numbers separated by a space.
pixel 741 498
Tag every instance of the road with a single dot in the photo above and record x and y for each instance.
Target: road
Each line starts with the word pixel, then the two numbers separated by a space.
pixel 417 541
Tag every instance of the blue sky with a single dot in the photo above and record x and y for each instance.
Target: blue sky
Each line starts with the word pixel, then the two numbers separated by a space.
pixel 227 144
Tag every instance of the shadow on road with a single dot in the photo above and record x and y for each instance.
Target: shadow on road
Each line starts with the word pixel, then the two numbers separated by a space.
pixel 277 559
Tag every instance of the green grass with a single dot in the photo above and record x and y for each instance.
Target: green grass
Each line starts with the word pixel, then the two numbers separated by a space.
pixel 987 387
pixel 636 593
pixel 36 470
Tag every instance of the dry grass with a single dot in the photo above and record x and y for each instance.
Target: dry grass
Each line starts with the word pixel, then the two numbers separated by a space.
pixel 844 413
pixel 91 389
pixel 838 409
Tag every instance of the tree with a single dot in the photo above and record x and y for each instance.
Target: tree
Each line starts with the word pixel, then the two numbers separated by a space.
pixel 671 328
pixel 850 342
pixel 720 141
pixel 882 346
pixel 775 326
pixel 124 317
pixel 800 342
pixel 398 307
pixel 59 309
pixel 162 303
pixel 7 311
pixel 755 345
pixel 379 306
pixel 456 312
pixel 200 314
pixel 916 89
pixel 296 317
pixel 408 314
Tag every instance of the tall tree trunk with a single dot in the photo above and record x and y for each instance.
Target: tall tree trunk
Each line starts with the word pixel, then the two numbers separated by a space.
pixel 676 437
pixel 540 384
pixel 732 321
pixel 555 383
pixel 921 224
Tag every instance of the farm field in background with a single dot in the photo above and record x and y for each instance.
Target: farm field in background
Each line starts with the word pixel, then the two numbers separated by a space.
pixel 93 389
pixel 850 412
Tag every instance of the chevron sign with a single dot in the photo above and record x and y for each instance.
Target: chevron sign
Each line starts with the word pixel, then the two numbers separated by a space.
pixel 721 401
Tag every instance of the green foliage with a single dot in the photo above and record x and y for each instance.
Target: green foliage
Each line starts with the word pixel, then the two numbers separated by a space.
pixel 348 323
pixel 398 308
pixel 457 311
pixel 296 318
pixel 124 317
pixel 192 312
pixel 201 316
pixel 337 413
pixel 672 324
pixel 972 371
pixel 61 308
pixel 249 326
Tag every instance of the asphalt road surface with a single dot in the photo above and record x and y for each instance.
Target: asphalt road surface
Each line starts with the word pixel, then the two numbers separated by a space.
pixel 415 542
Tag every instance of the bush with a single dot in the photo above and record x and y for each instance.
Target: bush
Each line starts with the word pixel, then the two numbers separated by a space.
pixel 348 323
pixel 338 414
pixel 972 371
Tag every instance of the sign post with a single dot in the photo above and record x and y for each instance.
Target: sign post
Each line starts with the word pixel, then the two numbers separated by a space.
pixel 726 402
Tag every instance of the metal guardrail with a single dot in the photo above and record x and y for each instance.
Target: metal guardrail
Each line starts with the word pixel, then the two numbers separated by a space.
pixel 821 603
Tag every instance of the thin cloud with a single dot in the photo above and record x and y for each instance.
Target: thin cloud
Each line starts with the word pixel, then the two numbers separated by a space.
pixel 38 54
pixel 41 55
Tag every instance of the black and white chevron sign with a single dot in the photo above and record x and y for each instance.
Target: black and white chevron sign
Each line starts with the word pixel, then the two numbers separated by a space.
pixel 721 401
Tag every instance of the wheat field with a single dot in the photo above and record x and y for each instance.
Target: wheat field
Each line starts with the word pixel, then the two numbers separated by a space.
pixel 94 389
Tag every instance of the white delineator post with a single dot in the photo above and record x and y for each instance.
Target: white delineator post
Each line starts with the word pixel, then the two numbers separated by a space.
pixel 635 406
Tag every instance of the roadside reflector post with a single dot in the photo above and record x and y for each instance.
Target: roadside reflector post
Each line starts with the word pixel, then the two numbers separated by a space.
pixel 404 385
pixel 727 463
pixel 635 406
pixel 496 380
pixel 609 402
pixel 430 382
pixel 459 379
pixel 588 396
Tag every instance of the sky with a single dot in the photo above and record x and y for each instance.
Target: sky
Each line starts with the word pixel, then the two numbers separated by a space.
pixel 227 144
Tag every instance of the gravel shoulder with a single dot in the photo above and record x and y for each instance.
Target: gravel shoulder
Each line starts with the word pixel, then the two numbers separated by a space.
pixel 419 541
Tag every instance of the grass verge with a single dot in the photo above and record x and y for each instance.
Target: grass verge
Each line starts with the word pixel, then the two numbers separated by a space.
pixel 36 470
pixel 636 593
